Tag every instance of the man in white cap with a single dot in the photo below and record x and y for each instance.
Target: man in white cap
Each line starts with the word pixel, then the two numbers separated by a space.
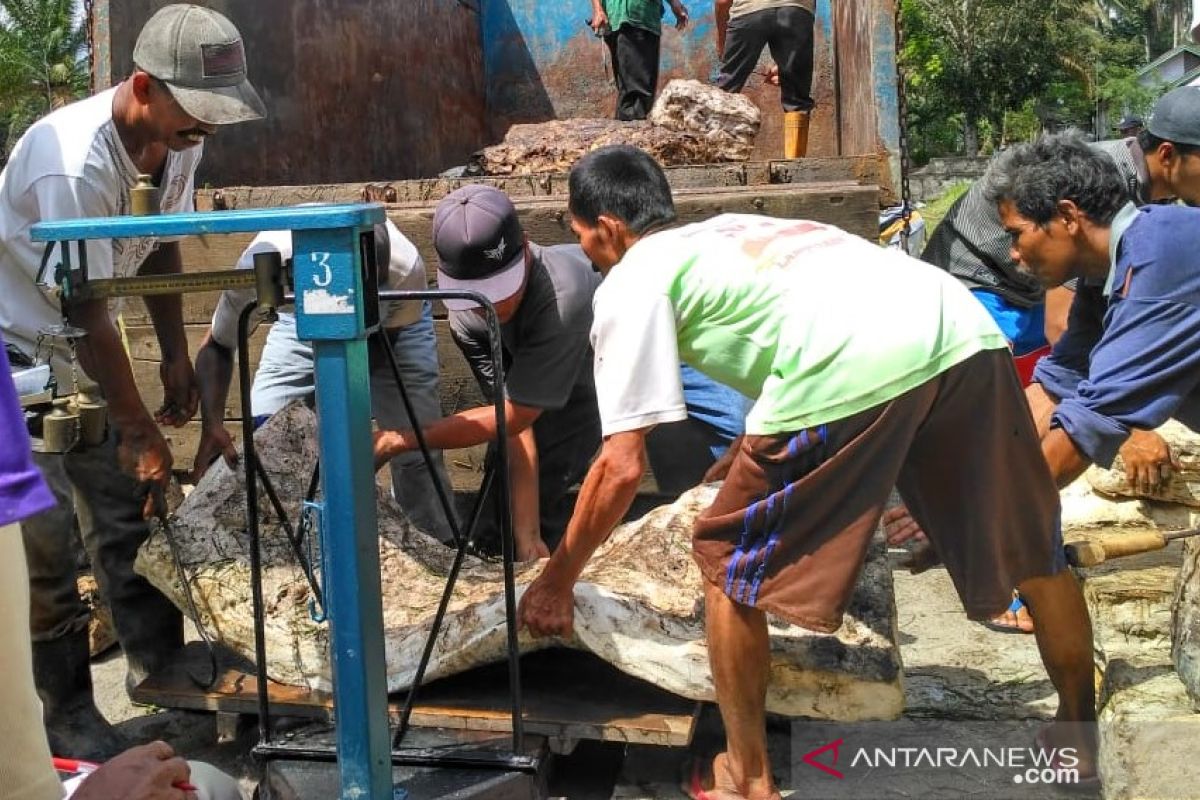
pixel 81 161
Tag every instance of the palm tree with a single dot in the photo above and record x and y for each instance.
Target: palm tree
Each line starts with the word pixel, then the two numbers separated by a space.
pixel 43 61
pixel 1163 24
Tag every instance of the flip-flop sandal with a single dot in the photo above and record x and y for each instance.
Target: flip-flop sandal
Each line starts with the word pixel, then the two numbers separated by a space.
pixel 1089 785
pixel 1015 606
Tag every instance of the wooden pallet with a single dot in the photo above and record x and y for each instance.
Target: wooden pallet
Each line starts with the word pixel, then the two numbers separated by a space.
pixel 568 696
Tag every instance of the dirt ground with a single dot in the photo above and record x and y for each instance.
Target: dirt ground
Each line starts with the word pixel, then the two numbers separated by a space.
pixel 966 687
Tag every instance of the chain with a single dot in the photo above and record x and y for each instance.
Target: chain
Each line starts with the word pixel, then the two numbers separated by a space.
pixel 902 113
pixel 74 365
pixel 70 335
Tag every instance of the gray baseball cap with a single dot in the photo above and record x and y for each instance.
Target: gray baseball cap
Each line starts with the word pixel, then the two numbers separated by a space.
pixel 480 244
pixel 198 54
pixel 1176 116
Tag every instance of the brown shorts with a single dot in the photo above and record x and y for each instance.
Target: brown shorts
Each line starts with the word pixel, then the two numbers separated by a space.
pixel 789 529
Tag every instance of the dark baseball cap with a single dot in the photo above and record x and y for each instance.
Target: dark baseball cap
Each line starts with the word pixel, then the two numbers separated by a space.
pixel 480 244
pixel 198 54
pixel 1176 116
pixel 1129 122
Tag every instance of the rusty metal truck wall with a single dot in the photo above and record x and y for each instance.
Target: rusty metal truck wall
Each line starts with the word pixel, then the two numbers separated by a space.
pixel 367 90
pixel 356 89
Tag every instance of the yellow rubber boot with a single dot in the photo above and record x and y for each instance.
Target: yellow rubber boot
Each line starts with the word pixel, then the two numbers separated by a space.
pixel 795 134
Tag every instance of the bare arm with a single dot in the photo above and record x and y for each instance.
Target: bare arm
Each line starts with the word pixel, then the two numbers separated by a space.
pixel 547 607
pixel 599 18
pixel 214 373
pixel 181 396
pixel 721 13
pixel 141 449
pixel 526 506
pixel 1041 406
pixel 464 429
pixel 1065 460
pixel 1148 459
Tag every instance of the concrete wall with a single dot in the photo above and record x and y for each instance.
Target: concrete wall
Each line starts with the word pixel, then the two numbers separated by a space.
pixel 356 90
pixel 941 173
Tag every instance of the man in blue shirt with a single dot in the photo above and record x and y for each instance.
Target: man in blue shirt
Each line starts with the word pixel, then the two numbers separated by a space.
pixel 1130 357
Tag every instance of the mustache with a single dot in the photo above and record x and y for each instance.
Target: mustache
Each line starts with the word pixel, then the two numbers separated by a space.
pixel 195 132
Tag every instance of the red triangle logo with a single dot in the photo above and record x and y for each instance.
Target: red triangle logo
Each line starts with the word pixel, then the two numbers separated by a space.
pixel 810 758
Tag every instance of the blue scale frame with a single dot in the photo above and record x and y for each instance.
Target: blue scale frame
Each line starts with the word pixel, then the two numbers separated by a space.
pixel 333 310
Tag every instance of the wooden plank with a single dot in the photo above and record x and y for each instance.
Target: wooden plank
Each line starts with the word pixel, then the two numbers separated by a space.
pixel 848 205
pixel 457 384
pixel 430 190
pixel 796 192
pixel 143 343
pixel 566 694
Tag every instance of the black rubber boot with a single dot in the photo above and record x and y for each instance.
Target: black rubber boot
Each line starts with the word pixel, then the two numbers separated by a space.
pixel 74 725
pixel 150 638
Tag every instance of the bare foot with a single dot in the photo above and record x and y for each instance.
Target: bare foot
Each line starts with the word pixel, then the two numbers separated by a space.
pixel 720 783
pixel 1069 739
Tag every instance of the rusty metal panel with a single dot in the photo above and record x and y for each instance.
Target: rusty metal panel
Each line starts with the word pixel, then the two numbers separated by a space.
pixel 866 68
pixel 542 62
pixel 356 89
pixel 361 90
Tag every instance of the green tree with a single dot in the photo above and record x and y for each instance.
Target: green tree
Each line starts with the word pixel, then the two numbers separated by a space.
pixel 981 58
pixel 1158 25
pixel 43 61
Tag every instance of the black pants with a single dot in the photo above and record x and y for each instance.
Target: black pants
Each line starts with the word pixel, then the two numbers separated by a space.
pixel 635 67
pixel 788 31
pixel 567 440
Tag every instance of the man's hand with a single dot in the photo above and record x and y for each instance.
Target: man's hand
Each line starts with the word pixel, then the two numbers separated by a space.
pixel 1148 461
pixel 599 22
pixel 547 608
pixel 720 467
pixel 771 76
pixel 681 15
pixel 143 453
pixel 148 772
pixel 215 441
pixel 389 444
pixel 899 527
pixel 531 550
pixel 181 394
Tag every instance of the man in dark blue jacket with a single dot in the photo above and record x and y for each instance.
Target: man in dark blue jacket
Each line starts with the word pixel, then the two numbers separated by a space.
pixel 1130 358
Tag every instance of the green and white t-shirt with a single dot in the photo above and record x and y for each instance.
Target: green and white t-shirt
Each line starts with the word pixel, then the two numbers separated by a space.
pixel 814 323
pixel 644 14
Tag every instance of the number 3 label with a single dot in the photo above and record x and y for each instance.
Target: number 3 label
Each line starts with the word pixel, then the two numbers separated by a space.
pixel 322 260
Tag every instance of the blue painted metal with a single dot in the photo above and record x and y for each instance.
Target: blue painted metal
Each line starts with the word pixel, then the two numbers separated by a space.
pixel 883 52
pixel 331 311
pixel 249 220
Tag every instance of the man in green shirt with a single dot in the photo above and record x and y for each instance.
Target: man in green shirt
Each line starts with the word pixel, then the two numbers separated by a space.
pixel 869 370
pixel 631 29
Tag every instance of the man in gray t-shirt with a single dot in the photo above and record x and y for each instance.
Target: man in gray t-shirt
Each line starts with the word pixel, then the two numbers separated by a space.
pixel 543 298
